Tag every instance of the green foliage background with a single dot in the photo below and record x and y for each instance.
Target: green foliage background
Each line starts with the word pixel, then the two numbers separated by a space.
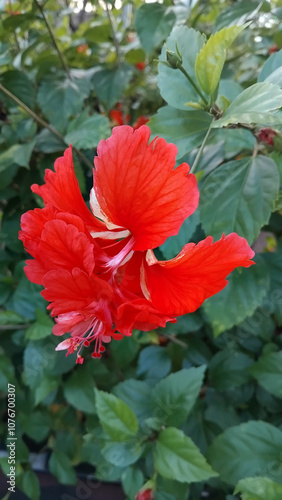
pixel 194 408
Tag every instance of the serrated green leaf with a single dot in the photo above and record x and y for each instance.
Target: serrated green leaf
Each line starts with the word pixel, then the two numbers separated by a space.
pixel 239 299
pixel 174 86
pixel 85 132
pixel 176 457
pixel 116 418
pixel 254 105
pixel 259 488
pixel 60 466
pixel 153 23
pixel 268 372
pixel 238 196
pixel 212 56
pixel 110 84
pixel 228 370
pixel 249 449
pixel 174 396
pixel 79 391
pixel 186 129
pixel 136 394
pixel 123 454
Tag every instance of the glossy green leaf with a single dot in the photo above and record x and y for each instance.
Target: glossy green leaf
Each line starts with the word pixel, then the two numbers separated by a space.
pixel 20 85
pixel 123 454
pixel 174 86
pixel 44 388
pixel 153 23
pixel 174 244
pixel 132 480
pixel 228 369
pixel 249 449
pixel 61 98
pixel 174 396
pixel 238 196
pixel 116 418
pixel 212 56
pixel 186 129
pixel 268 372
pixel 60 466
pixel 41 328
pixel 79 391
pixel 136 394
pixel 85 132
pixel 176 457
pixel 254 105
pixel 30 485
pixel 239 299
pixel 259 488
pixel 271 64
pixel 110 84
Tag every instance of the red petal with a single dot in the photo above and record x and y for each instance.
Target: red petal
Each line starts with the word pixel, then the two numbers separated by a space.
pixel 32 224
pixel 61 189
pixel 138 189
pixel 181 285
pixel 140 314
pixel 74 291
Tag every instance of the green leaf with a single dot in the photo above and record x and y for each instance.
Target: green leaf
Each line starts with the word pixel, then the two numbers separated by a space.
pixel 136 394
pixel 259 488
pixel 153 23
pixel 228 370
pixel 174 396
pixel 60 98
pixel 110 84
pixel 123 454
pixel 239 299
pixel 36 425
pixel 30 485
pixel 85 132
pixel 154 362
pixel 41 328
pixel 268 372
pixel 44 388
pixel 176 457
pixel 186 129
pixel 249 449
pixel 23 153
pixel 132 479
pixel 254 105
pixel 237 13
pixel 272 63
pixel 274 264
pixel 125 351
pixel 238 197
pixel 174 86
pixel 60 466
pixel 212 56
pixel 173 245
pixel 79 391
pixel 20 85
pixel 46 142
pixel 116 418
pixel 98 33
pixel 10 318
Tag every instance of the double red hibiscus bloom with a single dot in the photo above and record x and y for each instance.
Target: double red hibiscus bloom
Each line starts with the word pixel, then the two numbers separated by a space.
pixel 97 267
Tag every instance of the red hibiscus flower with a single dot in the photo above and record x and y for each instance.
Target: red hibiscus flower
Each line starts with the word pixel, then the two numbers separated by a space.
pixel 98 269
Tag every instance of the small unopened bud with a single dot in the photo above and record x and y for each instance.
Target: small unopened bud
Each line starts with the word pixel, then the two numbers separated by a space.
pixel 174 59
pixel 145 495
pixel 266 135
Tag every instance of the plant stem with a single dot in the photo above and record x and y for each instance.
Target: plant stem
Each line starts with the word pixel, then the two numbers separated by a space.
pixel 175 340
pixel 52 35
pixel 15 327
pixel 193 84
pixel 116 43
pixel 44 124
pixel 199 154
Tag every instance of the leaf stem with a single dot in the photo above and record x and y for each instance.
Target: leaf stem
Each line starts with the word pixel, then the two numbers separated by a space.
pixel 44 124
pixel 193 84
pixel 115 40
pixel 200 152
pixel 52 35
pixel 174 339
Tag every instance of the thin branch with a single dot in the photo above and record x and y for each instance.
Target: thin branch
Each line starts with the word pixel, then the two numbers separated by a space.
pixel 200 152
pixel 52 35
pixel 44 124
pixel 116 43
pixel 15 327
pixel 174 339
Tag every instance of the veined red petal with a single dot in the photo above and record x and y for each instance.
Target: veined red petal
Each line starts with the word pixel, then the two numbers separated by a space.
pixel 138 188
pixel 140 314
pixel 74 291
pixel 61 189
pixel 181 285
pixel 32 225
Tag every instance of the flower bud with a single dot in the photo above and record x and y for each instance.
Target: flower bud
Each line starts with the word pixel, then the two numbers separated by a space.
pixel 145 495
pixel 266 135
pixel 174 59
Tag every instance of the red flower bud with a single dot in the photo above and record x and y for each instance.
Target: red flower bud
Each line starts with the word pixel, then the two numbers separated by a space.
pixel 272 49
pixel 140 66
pixel 266 135
pixel 145 495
